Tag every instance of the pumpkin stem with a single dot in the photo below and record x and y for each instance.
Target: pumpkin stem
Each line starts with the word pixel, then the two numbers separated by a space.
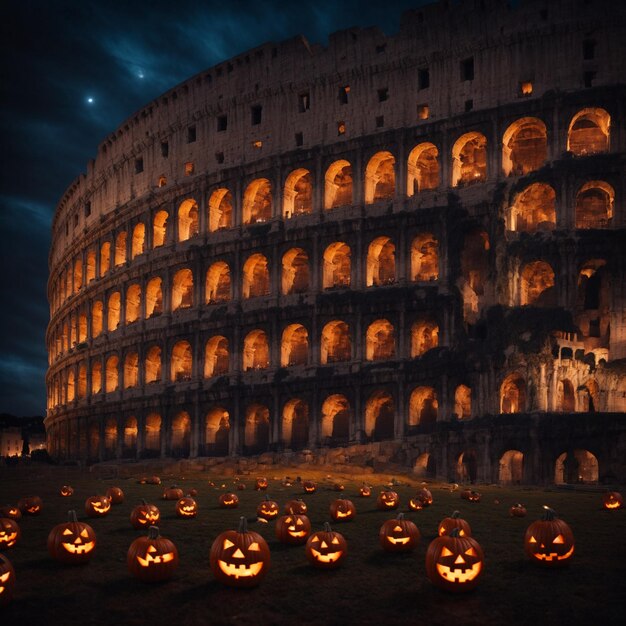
pixel 549 514
pixel 153 532
pixel 243 525
pixel 71 516
pixel 400 516
pixel 327 528
pixel 144 502
pixel 267 498
pixel 455 515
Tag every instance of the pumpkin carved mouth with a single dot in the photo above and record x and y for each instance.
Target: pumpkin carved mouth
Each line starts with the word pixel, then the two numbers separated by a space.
pixel 398 540
pixel 459 574
pixel 82 548
pixel 3 579
pixel 160 558
pixel 240 571
pixel 551 556
pixel 330 557
pixel 8 540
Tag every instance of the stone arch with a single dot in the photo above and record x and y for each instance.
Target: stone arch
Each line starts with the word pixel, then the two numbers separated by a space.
pixel 113 311
pixel 188 222
pixel 424 466
pixel 152 438
pixel 576 466
pixel 380 415
pixel 257 429
pixel 595 202
pixel 105 258
pixel 256 351
pixel 295 424
pixel 295 276
pixel 129 442
pixel 153 365
pixel 90 269
pixel 533 209
pixel 380 178
pixel 422 169
pixel 96 377
pixel 131 370
pixel 159 228
pixel 294 346
pixel 110 438
pixel 513 394
pixel 182 289
pixel 256 277
pixel 336 418
pixel 133 303
pixel 511 466
pixel 589 132
pixel 423 406
pixel 138 242
pixel 257 202
pixel 466 467
pixel 70 393
pixel 82 327
pixel 154 297
pixel 181 366
pixel 381 262
pixel 298 194
pixel 337 265
pixel 216 357
pixel 218 283
pixel 566 397
pixel 78 275
pixel 338 185
pixel 336 344
pixel 120 249
pixel 81 382
pixel 380 341
pixel 463 402
pixel 111 382
pixel 524 146
pixel 469 159
pixel 424 337
pixel 181 435
pixel 424 258
pixel 220 210
pixel 216 432
pixel 537 284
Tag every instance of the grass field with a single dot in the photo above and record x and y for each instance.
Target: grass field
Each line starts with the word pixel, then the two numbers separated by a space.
pixel 373 587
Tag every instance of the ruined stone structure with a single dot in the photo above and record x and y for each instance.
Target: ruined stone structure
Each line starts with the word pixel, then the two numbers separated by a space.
pixel 409 246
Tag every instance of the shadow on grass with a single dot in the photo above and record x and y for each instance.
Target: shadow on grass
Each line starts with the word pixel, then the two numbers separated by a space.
pixel 48 565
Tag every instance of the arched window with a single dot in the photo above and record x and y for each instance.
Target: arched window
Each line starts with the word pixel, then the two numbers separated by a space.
pixel 336 343
pixel 71 386
pixel 256 351
pixel 113 311
pixel 295 424
pixel 534 209
pixel 423 406
pixel 82 381
pixel 153 365
pixel 154 297
pixel 594 205
pixel 182 289
pixel 593 287
pixel 181 435
pixel 336 418
pixel 257 202
pixel 131 370
pixel 423 169
pixel 105 258
pixel 524 146
pixel 463 402
pixel 82 327
pixel 218 283
pixel 181 364
pixel 91 266
pixel 138 243
pixel 220 210
pixel 469 160
pixel 537 282
pixel 216 357
pixel 295 278
pixel 380 341
pixel 78 274
pixel 338 185
pixel 256 277
pixel 96 377
pixel 188 225
pixel 217 429
pixel 424 258
pixel 513 394
pixel 96 319
pixel 159 229
pixel 111 374
pixel 566 398
pixel 120 249
pixel 298 194
pixel 381 262
pixel 294 349
pixel 589 132
pixel 133 303
pixel 379 415
pixel 257 431
pixel 424 337
pixel 337 264
pixel 380 178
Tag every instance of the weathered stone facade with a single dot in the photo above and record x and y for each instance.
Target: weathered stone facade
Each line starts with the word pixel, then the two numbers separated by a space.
pixel 415 240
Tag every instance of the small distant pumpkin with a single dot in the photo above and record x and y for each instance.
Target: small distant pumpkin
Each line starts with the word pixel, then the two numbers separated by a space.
pixel 228 501
pixel 342 510
pixel 612 500
pixel 12 512
pixel 7 580
pixel 144 515
pixel 517 510
pixel 261 483
pixel 186 507
pixel 97 506
pixel 416 503
pixel 365 491
pixel 309 486
pixel 470 495
pixel 153 558
pixel 454 522
pixel 192 492
pixel 326 549
pixel 172 493
pixel 268 509
pixel 297 507
pixel 293 529
pixel 388 500
pixel 338 487
pixel 9 533
pixel 398 534
pixel 241 486
pixel 30 505
pixel 549 541
pixel 72 542
pixel 115 494
pixel 66 491
pixel 154 480
pixel 425 496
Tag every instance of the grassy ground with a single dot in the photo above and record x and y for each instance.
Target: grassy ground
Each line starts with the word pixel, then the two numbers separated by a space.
pixel 372 587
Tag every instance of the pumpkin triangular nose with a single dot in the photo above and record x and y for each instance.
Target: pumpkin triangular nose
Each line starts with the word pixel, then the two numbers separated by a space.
pixel 324 545
pixel 238 554
pixel 459 559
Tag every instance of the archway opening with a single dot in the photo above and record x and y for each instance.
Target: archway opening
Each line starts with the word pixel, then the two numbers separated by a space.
pixel 381 262
pixel 336 344
pixel 424 337
pixel 466 467
pixel 182 289
pixel 537 284
pixel 217 431
pixel 566 398
pixel 338 188
pixel 133 303
pixel 111 381
pixel 533 209
pixel 154 298
pixel 110 438
pixel 380 178
pixel 216 357
pixel 424 258
pixel 256 351
pixel 153 365
pixel 129 443
pixel 218 283
pixel 576 466
pixel 188 224
pixel 181 365
pixel 589 132
pixel 511 468
pixel 469 160
pixel 181 435
pixel 257 429
pixel 257 202
pixel 131 370
pixel 335 427
pixel 524 146
pixel 159 228
pixel 337 264
pixel 138 242
pixel 423 406
pixel 296 424
pixel 594 205
pixel 513 394
pixel 423 169
pixel 256 277
pixel 424 466
pixel 463 402
pixel 295 278
pixel 152 443
pixel 294 348
pixel 298 194
pixel 380 416
pixel 220 210
pixel 380 341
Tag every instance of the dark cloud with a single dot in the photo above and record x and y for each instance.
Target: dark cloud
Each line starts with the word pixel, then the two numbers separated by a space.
pixel 54 55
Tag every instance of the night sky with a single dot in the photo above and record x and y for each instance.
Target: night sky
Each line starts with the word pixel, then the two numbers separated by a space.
pixel 71 72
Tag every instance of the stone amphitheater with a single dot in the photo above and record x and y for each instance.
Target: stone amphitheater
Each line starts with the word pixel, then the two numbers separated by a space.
pixel 403 249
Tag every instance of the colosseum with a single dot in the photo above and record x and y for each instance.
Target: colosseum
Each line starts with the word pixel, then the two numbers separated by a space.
pixel 403 249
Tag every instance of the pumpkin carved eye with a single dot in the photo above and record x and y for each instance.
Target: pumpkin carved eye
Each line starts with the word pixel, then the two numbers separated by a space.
pixel 4 577
pixel 335 540
pixel 228 544
pixel 254 547
pixel 559 539
pixel 471 552
pixel 397 529
pixel 67 531
pixel 446 552
pixel 532 540
pixel 84 533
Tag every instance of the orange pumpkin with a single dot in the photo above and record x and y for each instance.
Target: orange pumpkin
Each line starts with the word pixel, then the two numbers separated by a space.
pixel 7 580
pixel 115 494
pixel 144 515
pixel 448 524
pixel 293 529
pixel 365 491
pixel 342 510
pixel 153 558
pixel 326 549
pixel 267 509
pixel 97 506
pixel 398 534
pixel 261 483
pixel 9 533
pixel 72 542
pixel 425 496
pixel 187 507
pixel 66 491
pixel 30 505
pixel 12 512
pixel 612 500
pixel 388 500
pixel 309 486
pixel 517 510
pixel 297 507
pixel 228 501
pixel 172 493
pixel 549 541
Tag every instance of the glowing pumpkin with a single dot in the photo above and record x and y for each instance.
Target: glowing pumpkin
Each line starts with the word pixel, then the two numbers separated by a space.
pixel 30 505
pixel 144 515
pixel 612 500
pixel 228 501
pixel 342 510
pixel 293 529
pixel 454 563
pixel 12 512
pixel 267 509
pixel 97 506
pixel 309 486
pixel 187 507
pixel 517 510
pixel 153 558
pixel 115 494
pixel 454 522
pixel 338 487
pixel 261 483
pixel 399 534
pixel 416 504
pixel 297 507
pixel 326 548
pixel 239 558
pixel 9 533
pixel 549 541
pixel 388 500
pixel 66 491
pixel 470 495
pixel 365 491
pixel 425 496
pixel 7 580
pixel 72 542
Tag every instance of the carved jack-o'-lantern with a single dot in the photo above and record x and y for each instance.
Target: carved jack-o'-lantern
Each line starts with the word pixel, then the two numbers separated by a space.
pixel 326 549
pixel 239 558
pixel 11 512
pixel 66 491
pixel 9 533
pixel 152 558
pixel 517 510
pixel 187 507
pixel 144 515
pixel 388 500
pixel 261 483
pixel 549 541
pixel 97 506
pixel 416 504
pixel 612 500
pixel 72 542
pixel 267 509
pixel 297 507
pixel 30 505
pixel 293 529
pixel 172 493
pixel 309 486
pixel 115 494
pixel 338 487
pixel 342 510
pixel 425 496
pixel 228 501
pixel 448 524
pixel 470 495
pixel 7 580
pixel 454 563
pixel 365 491
pixel 398 535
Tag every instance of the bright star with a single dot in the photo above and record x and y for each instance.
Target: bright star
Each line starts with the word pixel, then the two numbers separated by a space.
pixel 140 75
pixel 90 100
